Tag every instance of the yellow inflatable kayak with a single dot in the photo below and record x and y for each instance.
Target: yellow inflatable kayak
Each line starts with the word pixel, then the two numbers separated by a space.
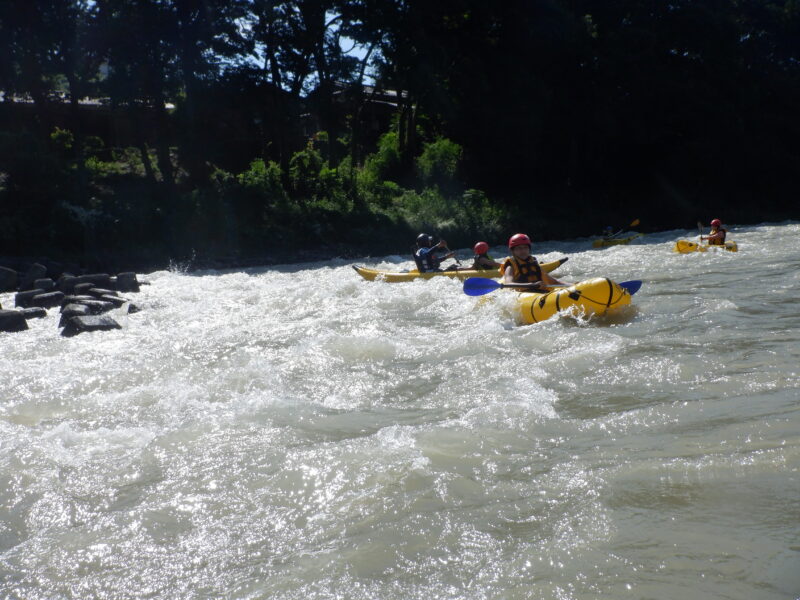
pixel 395 277
pixel 685 246
pixel 603 243
pixel 597 296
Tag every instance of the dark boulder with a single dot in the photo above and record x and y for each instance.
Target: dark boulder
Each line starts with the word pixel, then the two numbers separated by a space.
pixel 66 283
pixel 82 288
pixel 127 282
pixel 99 292
pixel 12 320
pixel 47 300
pixel 97 307
pixel 34 272
pixel 100 280
pixel 84 324
pixel 45 284
pixel 115 300
pixel 76 299
pixel 8 280
pixel 23 299
pixel 35 312
pixel 73 310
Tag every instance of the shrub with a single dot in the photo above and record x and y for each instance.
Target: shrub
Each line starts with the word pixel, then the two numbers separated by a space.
pixel 304 169
pixel 438 163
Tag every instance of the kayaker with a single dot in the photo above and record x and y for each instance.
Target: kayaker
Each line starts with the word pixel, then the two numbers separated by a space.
pixel 717 235
pixel 425 254
pixel 522 267
pixel 608 233
pixel 482 261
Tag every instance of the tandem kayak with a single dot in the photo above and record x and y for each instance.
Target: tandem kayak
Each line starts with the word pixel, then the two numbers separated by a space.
pixel 685 246
pixel 603 243
pixel 598 296
pixel 395 277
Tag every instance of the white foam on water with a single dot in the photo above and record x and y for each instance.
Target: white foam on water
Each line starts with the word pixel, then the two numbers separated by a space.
pixel 298 432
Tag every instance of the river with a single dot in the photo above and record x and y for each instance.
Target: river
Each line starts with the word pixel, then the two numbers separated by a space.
pixel 296 432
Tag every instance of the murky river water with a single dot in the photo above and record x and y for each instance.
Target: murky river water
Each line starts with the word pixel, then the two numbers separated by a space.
pixel 299 433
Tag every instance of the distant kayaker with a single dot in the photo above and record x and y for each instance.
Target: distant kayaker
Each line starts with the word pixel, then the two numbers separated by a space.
pixel 482 261
pixel 717 235
pixel 425 253
pixel 521 267
pixel 608 233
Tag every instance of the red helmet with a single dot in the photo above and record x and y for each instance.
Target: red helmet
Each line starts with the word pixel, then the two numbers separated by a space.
pixel 480 248
pixel 716 223
pixel 519 239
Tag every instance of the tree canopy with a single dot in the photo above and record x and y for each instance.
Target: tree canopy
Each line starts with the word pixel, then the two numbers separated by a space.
pixel 219 123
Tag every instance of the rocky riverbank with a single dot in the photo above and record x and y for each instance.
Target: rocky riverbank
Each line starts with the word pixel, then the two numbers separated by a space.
pixel 83 299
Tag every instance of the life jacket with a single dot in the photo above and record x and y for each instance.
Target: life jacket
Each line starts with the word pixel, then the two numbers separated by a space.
pixel 523 271
pixel 426 262
pixel 718 242
pixel 482 267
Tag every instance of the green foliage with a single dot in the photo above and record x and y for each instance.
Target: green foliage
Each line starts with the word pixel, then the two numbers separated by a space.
pixel 63 140
pixel 438 163
pixel 262 180
pixel 100 169
pixel 304 168
pixel 461 219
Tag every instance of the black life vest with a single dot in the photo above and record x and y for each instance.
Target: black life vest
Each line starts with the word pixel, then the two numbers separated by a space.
pixel 481 267
pixel 719 242
pixel 426 262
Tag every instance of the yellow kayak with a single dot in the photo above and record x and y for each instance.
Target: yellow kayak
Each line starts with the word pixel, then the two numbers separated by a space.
pixel 598 296
pixel 395 277
pixel 602 243
pixel 685 246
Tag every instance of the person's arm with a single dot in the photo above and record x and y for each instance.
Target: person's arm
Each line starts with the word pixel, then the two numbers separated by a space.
pixel 508 275
pixel 548 280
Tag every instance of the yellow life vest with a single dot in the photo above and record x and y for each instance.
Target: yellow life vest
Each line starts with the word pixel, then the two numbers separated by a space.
pixel 523 271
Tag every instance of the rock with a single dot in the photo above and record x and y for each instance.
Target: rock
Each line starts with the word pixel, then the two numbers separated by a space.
pixel 75 299
pixel 8 280
pixel 45 284
pixel 127 282
pixel 83 324
pixel 73 310
pixel 82 288
pixel 66 283
pixel 12 320
pixel 47 300
pixel 34 272
pixel 23 299
pixel 115 300
pixel 98 292
pixel 36 312
pixel 99 280
pixel 97 307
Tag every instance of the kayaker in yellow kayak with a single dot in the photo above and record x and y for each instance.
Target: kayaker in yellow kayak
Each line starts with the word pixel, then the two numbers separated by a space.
pixel 717 235
pixel 425 254
pixel 482 261
pixel 522 267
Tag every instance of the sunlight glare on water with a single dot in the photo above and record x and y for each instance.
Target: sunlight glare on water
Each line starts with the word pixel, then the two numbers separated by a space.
pixel 298 432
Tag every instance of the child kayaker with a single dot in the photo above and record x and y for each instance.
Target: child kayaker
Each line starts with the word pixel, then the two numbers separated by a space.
pixel 482 261
pixel 521 267
pixel 717 235
pixel 425 254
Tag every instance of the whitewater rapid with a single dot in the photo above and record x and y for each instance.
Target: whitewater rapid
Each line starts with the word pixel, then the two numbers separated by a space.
pixel 297 432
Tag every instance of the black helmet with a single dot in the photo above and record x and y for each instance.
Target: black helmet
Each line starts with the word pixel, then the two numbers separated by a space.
pixel 424 240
